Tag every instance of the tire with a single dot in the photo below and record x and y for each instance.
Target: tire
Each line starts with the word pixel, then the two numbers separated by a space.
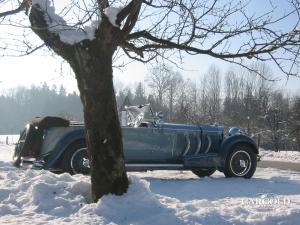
pixel 205 172
pixel 241 161
pixel 75 159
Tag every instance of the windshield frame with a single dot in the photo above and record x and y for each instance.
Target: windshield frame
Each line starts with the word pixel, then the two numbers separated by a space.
pixel 135 113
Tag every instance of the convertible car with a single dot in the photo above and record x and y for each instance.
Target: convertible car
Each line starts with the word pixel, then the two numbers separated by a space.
pixel 58 145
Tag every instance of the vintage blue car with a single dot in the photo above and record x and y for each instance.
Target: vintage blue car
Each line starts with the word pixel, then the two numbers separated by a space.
pixel 56 144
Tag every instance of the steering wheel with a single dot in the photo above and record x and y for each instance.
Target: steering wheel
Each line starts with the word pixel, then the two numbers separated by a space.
pixel 138 120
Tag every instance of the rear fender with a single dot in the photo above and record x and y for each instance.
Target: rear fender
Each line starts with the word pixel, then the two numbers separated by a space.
pixel 62 145
pixel 229 142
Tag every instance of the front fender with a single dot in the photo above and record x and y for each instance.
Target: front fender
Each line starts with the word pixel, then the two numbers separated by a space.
pixel 62 145
pixel 229 142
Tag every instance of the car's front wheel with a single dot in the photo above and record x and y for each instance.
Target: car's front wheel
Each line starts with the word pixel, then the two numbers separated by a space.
pixel 75 159
pixel 241 162
pixel 204 172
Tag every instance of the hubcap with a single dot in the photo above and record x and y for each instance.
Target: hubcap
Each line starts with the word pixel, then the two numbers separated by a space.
pixel 240 163
pixel 86 163
pixel 243 163
pixel 79 162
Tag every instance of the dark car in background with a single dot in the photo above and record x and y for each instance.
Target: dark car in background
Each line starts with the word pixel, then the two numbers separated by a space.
pixel 59 145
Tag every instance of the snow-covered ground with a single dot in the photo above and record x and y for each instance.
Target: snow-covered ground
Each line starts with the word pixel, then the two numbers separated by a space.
pixel 161 197
pixel 286 156
pixel 10 139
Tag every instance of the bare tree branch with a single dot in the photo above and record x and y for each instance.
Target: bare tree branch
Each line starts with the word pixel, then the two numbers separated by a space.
pixel 132 17
pixel 194 34
pixel 102 4
pixel 199 27
pixel 25 4
pixel 41 28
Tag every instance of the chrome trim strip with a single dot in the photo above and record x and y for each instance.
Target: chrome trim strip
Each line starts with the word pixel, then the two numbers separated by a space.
pixel 209 144
pixel 39 164
pixel 185 130
pixel 199 144
pixel 27 159
pixel 153 165
pixel 188 146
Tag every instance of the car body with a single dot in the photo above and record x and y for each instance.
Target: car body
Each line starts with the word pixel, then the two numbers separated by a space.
pixel 149 144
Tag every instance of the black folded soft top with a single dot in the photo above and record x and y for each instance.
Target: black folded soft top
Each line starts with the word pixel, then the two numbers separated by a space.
pixel 49 121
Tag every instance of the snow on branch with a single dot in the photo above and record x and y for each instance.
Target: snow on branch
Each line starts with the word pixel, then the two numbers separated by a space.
pixel 112 13
pixel 67 34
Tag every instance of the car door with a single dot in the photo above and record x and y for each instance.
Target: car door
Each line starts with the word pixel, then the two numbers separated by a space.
pixel 147 145
pixel 163 144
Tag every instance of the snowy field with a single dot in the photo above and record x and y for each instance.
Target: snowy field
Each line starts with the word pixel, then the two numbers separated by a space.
pixel 10 139
pixel 286 156
pixel 160 197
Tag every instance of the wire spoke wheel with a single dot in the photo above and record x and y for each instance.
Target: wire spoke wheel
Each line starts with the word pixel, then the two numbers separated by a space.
pixel 241 161
pixel 75 159
pixel 79 161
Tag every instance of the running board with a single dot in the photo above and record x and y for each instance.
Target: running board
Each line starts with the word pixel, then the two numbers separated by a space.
pixel 202 160
pixel 146 166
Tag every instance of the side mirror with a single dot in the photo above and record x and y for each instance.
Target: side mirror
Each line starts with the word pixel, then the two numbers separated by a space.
pixel 159 115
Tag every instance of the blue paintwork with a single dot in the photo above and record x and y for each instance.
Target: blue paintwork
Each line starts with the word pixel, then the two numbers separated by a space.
pixel 62 145
pixel 202 160
pixel 235 139
pixel 229 142
pixel 154 142
pixel 139 145
pixel 179 126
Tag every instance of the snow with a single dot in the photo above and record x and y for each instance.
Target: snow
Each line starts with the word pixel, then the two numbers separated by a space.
pixel 57 24
pixel 6 152
pixel 12 139
pixel 286 156
pixel 160 197
pixel 111 13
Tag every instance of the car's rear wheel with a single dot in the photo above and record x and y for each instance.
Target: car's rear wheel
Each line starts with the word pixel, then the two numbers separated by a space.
pixel 241 162
pixel 75 159
pixel 204 172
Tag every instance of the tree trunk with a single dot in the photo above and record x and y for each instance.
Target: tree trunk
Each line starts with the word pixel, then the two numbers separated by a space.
pixel 93 71
pixel 91 61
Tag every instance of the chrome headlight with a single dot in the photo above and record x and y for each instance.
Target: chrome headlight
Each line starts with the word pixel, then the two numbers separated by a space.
pixel 234 130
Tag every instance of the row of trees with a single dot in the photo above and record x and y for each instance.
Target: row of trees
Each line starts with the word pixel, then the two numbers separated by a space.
pixel 241 99
pixel 237 98
pixel 19 105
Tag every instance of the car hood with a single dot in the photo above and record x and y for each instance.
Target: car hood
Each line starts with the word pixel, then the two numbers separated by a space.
pixel 192 127
pixel 180 126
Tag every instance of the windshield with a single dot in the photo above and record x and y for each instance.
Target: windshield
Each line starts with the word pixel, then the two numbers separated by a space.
pixel 144 111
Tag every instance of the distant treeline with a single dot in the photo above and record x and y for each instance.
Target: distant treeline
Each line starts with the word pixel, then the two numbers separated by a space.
pixel 236 98
pixel 19 105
